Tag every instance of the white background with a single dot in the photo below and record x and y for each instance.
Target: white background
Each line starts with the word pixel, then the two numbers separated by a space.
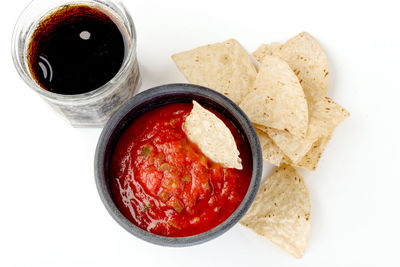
pixel 50 212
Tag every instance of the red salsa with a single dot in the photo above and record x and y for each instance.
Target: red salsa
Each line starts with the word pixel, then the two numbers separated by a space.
pixel 165 185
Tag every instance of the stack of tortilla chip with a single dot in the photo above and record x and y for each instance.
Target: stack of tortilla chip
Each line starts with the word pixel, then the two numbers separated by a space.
pixel 308 62
pixel 286 102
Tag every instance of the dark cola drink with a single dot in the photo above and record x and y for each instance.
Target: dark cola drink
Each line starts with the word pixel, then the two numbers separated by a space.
pixel 76 49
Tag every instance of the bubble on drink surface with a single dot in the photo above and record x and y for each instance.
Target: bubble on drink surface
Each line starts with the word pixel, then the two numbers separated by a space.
pixel 85 35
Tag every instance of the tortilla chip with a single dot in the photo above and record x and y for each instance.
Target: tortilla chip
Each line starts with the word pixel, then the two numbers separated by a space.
pixel 262 128
pixel 281 211
pixel 324 116
pixel 312 157
pixel 225 67
pixel 272 49
pixel 292 146
pixel 278 100
pixel 307 59
pixel 270 151
pixel 212 137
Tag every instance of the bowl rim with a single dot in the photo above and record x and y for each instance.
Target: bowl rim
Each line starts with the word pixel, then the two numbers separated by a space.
pixel 156 94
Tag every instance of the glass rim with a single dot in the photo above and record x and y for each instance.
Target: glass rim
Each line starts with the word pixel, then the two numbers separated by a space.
pixel 29 80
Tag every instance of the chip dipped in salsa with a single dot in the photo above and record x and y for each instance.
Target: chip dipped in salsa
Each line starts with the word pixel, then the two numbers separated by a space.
pixel 164 184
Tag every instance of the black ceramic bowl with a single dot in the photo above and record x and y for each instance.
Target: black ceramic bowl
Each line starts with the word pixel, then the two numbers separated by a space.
pixel 154 98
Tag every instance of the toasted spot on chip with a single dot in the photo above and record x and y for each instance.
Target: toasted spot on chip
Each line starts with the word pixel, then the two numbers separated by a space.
pixel 281 211
pixel 312 157
pixel 212 137
pixel 307 59
pixel 270 151
pixel 278 100
pixel 225 67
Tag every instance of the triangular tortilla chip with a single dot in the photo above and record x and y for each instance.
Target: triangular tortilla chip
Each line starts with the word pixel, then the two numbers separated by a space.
pixel 272 49
pixel 212 137
pixel 324 116
pixel 281 211
pixel 270 151
pixel 307 59
pixel 292 146
pixel 312 157
pixel 278 100
pixel 225 67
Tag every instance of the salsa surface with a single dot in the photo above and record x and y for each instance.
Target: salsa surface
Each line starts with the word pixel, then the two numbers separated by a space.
pixel 165 185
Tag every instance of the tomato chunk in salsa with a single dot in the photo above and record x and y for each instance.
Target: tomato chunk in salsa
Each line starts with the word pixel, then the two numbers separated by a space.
pixel 165 185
